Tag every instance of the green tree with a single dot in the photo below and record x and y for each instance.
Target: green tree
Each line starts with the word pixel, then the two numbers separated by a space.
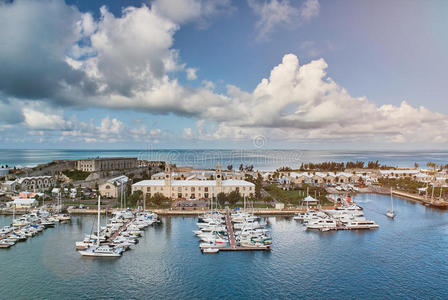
pixel 159 199
pixel 222 198
pixel 233 197
pixel 136 197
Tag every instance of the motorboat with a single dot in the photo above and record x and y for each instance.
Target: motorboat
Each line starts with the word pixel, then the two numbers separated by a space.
pixel 210 250
pixel 322 224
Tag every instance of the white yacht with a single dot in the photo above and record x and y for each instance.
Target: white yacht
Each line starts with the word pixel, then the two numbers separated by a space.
pixel 101 251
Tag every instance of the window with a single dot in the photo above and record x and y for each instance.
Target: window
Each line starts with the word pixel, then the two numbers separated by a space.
pixel 192 189
pixel 148 189
pixel 206 189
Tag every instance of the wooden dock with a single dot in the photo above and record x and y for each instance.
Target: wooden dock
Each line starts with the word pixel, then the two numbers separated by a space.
pixel 117 233
pixel 230 232
pixel 232 242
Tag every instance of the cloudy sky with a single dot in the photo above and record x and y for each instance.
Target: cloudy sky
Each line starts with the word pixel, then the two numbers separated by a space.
pixel 223 74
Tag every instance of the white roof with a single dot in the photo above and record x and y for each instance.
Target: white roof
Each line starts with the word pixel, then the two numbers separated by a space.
pixel 55 190
pixel 228 182
pixel 119 180
pixel 309 199
pixel 24 201
pixel 386 172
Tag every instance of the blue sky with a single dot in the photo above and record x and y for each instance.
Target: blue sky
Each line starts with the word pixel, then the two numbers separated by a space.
pixel 221 74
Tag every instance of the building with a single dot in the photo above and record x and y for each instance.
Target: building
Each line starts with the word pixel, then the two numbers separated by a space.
pixel 106 164
pixel 9 186
pixel 111 188
pixel 199 175
pixel 193 188
pixel 4 171
pixel 23 203
pixel 36 183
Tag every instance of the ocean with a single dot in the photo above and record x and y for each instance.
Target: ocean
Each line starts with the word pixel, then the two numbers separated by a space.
pixel 405 258
pixel 261 159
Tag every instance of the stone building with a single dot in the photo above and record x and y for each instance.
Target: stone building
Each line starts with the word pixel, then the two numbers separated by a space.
pixel 106 164
pixel 112 187
pixel 193 189
pixel 36 183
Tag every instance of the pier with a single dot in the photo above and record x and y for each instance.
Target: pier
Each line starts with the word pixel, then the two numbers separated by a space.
pixel 118 232
pixel 232 242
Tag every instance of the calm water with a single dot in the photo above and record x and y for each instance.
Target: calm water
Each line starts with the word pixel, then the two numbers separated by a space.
pixel 405 258
pixel 261 159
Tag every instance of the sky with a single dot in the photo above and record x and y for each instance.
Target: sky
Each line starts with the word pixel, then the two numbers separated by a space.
pixel 274 74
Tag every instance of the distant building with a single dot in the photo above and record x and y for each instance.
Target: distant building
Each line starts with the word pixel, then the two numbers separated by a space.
pixel 23 203
pixel 199 175
pixel 193 188
pixel 9 186
pixel 36 183
pixel 4 171
pixel 106 164
pixel 112 187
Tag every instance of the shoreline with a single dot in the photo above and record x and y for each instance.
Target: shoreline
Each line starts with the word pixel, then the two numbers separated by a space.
pixel 257 211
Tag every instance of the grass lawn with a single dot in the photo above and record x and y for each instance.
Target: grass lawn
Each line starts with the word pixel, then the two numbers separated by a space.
pixel 295 196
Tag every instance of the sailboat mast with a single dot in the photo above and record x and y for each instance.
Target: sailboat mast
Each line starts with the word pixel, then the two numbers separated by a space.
pixel 391 200
pixel 98 225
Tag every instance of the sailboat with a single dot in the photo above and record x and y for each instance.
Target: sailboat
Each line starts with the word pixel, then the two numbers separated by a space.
pixel 101 251
pixel 391 213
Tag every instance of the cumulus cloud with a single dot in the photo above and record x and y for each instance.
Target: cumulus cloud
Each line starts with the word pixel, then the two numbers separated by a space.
pixel 36 36
pixel 128 62
pixel 302 102
pixel 273 13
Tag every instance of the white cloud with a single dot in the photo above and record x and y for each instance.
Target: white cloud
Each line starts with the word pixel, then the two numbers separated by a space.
pixel 301 102
pixel 184 11
pixel 191 73
pixel 309 10
pixel 110 130
pixel 130 64
pixel 274 13
pixel 271 14
pixel 40 120
pixel 209 85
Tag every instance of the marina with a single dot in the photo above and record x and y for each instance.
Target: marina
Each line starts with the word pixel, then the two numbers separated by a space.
pixel 166 262
pixel 121 232
pixel 28 226
pixel 242 232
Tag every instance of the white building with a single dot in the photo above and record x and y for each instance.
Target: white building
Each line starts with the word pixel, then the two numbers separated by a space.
pixel 193 188
pixel 23 203
pixel 112 186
